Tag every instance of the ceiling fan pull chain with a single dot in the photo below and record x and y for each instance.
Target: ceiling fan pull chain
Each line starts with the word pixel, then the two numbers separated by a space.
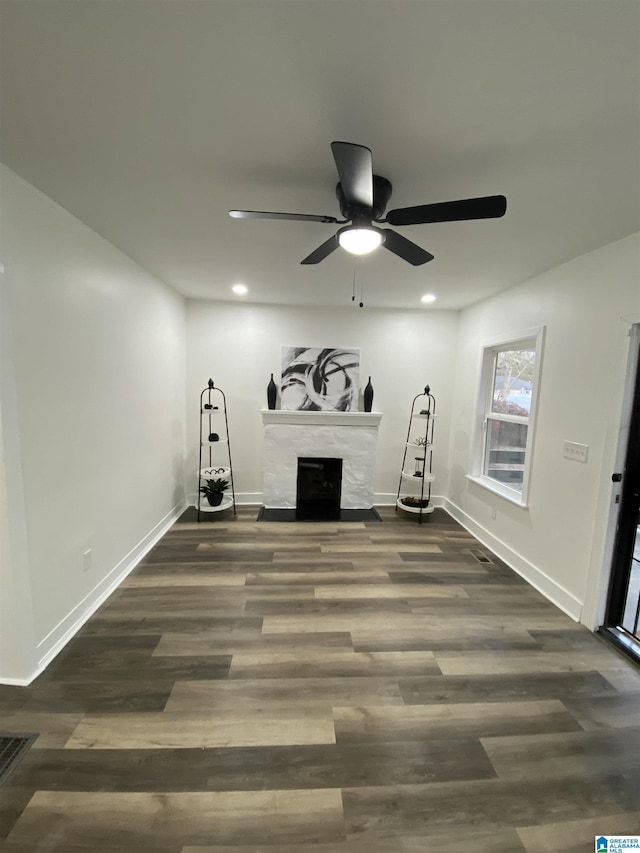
pixel 361 292
pixel 353 292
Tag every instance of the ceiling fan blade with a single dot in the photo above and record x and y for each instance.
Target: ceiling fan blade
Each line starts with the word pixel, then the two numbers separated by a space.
pixel 322 251
pixel 355 170
pixel 405 249
pixel 265 214
pixel 487 207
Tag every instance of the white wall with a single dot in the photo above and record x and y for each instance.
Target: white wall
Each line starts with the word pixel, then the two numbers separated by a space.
pixel 587 306
pixel 239 346
pixel 97 355
pixel 17 635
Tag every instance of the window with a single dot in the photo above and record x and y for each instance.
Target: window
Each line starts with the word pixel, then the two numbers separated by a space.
pixel 504 440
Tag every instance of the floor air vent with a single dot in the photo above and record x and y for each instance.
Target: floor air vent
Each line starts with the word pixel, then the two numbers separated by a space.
pixel 13 748
pixel 480 556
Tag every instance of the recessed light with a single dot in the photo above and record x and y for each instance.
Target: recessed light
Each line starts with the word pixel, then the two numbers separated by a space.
pixel 240 289
pixel 428 297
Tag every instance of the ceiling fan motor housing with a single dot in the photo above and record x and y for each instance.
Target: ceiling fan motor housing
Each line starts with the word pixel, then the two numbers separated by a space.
pixel 381 194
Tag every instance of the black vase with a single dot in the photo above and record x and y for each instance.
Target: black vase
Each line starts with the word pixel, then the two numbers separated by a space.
pixel 272 390
pixel 368 396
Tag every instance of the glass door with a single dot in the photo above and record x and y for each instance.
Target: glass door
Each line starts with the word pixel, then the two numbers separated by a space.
pixel 622 621
pixel 630 617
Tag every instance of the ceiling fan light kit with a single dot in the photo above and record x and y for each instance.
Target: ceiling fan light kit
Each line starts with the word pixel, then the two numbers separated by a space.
pixel 359 240
pixel 363 198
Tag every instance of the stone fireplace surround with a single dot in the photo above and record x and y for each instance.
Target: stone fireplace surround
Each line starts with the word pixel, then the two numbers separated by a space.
pixel 350 436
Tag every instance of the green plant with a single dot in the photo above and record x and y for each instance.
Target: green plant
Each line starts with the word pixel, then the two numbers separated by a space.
pixel 214 487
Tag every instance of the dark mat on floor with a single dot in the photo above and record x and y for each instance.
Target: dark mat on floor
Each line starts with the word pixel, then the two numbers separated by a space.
pixel 265 514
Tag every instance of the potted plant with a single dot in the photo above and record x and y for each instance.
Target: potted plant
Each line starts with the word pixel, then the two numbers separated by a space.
pixel 214 490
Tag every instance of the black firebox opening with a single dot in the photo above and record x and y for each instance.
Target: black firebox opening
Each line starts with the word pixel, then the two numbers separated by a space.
pixel 319 488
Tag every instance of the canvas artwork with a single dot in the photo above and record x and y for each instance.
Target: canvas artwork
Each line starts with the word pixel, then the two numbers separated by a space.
pixel 316 379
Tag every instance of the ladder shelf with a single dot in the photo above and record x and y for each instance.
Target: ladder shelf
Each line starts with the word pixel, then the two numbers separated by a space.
pixel 212 418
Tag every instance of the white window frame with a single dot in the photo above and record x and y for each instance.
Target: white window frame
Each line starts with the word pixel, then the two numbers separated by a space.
pixel 529 339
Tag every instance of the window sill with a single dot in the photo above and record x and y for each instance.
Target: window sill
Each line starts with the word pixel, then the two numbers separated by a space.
pixel 498 489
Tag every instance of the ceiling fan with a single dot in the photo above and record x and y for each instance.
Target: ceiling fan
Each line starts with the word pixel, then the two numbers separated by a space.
pixel 363 199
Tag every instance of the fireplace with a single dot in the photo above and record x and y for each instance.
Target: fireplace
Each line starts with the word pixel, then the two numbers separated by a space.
pixel 319 487
pixel 350 437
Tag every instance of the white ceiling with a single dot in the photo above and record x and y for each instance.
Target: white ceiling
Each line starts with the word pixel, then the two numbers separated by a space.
pixel 149 120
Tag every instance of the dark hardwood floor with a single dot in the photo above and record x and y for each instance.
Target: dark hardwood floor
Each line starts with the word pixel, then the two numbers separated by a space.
pixel 325 688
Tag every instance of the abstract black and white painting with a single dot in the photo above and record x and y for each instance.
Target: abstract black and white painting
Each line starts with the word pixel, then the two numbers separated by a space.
pixel 316 379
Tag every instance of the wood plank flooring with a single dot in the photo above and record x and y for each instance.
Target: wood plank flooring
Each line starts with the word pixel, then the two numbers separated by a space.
pixel 325 688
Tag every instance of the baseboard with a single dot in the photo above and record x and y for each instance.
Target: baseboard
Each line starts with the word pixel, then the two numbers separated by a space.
pixel 17 682
pixel 248 498
pixel 66 629
pixel 384 499
pixel 379 499
pixel 557 594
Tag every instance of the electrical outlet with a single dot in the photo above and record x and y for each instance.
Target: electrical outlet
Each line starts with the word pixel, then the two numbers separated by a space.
pixel 575 451
pixel 86 560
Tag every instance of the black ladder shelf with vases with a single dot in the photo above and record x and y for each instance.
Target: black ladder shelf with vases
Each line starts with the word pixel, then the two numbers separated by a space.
pixel 213 413
pixel 414 488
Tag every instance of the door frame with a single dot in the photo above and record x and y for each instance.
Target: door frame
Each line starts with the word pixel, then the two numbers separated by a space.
pixel 623 521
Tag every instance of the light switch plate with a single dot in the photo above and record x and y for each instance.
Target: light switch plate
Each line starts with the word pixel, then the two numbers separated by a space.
pixel 575 451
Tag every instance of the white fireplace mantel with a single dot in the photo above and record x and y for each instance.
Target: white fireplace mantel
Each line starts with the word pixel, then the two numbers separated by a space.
pixel 291 434
pixel 290 416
